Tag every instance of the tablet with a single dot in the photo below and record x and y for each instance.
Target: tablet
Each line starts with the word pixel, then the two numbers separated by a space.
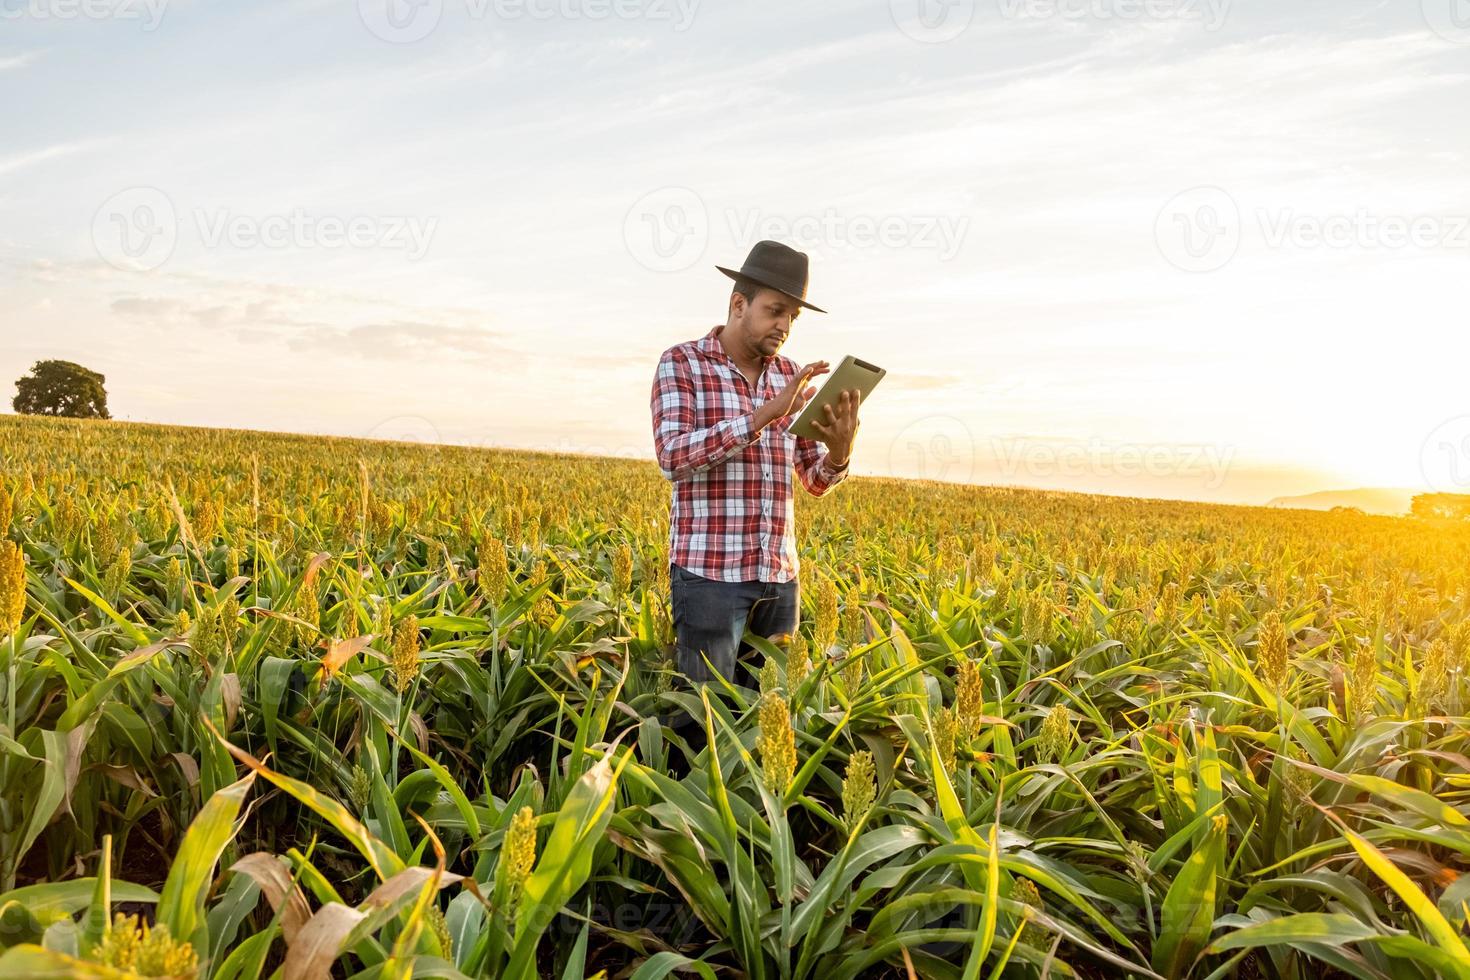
pixel 853 372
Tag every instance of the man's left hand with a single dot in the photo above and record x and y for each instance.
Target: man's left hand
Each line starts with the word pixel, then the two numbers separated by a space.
pixel 837 428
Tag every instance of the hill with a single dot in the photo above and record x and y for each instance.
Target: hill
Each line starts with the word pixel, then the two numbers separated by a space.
pixel 1370 500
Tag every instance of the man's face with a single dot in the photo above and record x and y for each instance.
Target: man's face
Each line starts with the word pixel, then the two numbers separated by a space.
pixel 768 319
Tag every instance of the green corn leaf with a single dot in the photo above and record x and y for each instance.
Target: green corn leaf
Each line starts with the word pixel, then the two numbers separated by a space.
pixel 1188 911
pixel 99 909
pixel 566 861
pixel 660 965
pixel 1290 930
pixel 383 860
pixel 1435 924
pixel 181 904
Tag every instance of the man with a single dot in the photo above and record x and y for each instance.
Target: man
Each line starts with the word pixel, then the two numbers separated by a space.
pixel 722 406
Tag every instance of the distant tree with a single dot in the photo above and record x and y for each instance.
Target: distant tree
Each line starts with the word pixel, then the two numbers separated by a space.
pixel 64 389
pixel 1443 506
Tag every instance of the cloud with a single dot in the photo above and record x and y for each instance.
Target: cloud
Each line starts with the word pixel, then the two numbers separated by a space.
pixel 15 62
pixel 206 312
pixel 149 308
pixel 405 339
pixel 19 161
pixel 271 319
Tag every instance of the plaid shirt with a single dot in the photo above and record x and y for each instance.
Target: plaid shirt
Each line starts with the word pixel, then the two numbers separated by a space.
pixel 733 516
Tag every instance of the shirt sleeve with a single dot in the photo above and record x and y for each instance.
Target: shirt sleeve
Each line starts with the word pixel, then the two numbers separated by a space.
pixel 682 449
pixel 814 467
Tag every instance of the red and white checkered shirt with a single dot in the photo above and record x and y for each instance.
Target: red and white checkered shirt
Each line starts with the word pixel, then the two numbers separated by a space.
pixel 733 516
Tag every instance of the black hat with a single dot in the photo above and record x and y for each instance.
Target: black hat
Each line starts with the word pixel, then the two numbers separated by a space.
pixel 777 266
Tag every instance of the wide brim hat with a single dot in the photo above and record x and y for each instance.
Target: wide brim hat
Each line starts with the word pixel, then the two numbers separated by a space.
pixel 778 267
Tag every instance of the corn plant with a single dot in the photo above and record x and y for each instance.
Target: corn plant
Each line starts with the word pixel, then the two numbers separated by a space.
pixel 276 705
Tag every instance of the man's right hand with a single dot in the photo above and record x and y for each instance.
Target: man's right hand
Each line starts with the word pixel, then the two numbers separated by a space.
pixel 793 398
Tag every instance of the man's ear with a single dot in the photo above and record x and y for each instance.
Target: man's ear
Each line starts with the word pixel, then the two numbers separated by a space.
pixel 737 303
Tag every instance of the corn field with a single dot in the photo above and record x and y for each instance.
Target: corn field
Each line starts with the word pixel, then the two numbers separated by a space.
pixel 281 706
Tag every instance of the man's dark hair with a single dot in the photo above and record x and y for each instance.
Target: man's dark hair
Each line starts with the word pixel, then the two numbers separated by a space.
pixel 747 288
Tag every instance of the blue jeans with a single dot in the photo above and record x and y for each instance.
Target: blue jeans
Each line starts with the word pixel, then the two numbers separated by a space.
pixel 711 617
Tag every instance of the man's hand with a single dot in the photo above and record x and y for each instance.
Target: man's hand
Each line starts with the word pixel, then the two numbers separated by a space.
pixel 838 428
pixel 793 398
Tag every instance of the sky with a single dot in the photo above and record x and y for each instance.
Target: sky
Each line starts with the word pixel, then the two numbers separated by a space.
pixel 1196 249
